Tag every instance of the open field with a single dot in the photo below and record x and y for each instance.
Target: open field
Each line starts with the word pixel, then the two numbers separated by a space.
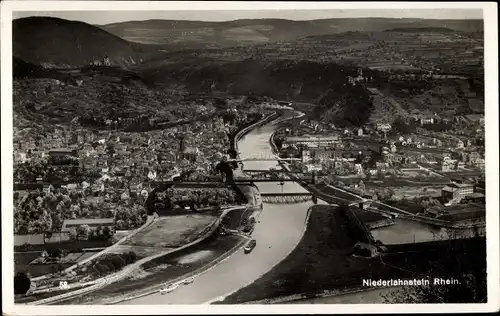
pixel 171 232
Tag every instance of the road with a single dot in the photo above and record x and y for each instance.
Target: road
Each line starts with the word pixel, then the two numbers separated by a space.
pixel 278 230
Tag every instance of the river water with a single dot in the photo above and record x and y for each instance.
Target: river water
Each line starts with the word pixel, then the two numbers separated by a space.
pixel 404 231
pixel 256 143
pixel 278 230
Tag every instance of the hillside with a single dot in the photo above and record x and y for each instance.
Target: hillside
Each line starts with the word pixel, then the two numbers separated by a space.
pixel 299 81
pixel 285 79
pixel 45 97
pixel 24 70
pixel 175 35
pixel 54 42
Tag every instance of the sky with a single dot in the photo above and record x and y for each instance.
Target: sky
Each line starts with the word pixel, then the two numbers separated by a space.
pixel 106 17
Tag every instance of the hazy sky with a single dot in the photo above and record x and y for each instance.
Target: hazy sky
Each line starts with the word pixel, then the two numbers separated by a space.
pixel 105 17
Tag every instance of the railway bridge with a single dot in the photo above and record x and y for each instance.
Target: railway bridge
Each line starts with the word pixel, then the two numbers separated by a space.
pixel 286 198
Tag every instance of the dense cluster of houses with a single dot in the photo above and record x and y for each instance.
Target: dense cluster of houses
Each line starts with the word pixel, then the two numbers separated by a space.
pixel 365 153
pixel 122 167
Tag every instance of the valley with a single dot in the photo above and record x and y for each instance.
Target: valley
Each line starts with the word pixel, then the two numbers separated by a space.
pixel 141 135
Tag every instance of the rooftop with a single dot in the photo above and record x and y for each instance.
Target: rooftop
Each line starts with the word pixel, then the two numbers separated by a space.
pixel 191 150
pixel 474 117
pixel 477 195
pixel 311 138
pixel 460 185
pixel 88 221
pixel 61 150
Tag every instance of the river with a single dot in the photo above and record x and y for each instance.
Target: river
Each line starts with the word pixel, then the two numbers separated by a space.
pixel 407 231
pixel 278 230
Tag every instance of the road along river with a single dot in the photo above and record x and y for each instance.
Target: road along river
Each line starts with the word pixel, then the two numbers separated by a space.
pixel 278 229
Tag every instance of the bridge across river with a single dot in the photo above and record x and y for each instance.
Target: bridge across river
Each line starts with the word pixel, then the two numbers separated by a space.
pixel 286 198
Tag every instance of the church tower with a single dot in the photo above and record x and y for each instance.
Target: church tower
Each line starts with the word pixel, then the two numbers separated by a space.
pixel 182 145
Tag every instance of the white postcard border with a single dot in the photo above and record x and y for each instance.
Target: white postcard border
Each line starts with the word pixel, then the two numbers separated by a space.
pixel 492 154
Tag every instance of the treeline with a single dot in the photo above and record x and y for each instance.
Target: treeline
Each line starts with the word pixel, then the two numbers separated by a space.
pixel 28 173
pixel 199 197
pixel 69 246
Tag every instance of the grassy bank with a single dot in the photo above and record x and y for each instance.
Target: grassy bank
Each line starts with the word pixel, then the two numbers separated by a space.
pixel 162 270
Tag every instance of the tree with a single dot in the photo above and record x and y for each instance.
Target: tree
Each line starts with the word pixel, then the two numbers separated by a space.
pixel 132 256
pixel 106 232
pixel 84 231
pixel 73 235
pixel 465 262
pixel 22 283
pixel 361 185
pixel 117 262
pixel 46 236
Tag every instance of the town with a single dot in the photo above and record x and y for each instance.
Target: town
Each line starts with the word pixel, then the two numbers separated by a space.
pixel 283 168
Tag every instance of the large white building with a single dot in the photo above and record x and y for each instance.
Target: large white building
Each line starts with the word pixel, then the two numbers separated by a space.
pixel 312 141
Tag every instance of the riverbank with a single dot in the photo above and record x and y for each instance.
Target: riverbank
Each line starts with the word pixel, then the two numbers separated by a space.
pixel 121 278
pixel 323 261
pixel 171 269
